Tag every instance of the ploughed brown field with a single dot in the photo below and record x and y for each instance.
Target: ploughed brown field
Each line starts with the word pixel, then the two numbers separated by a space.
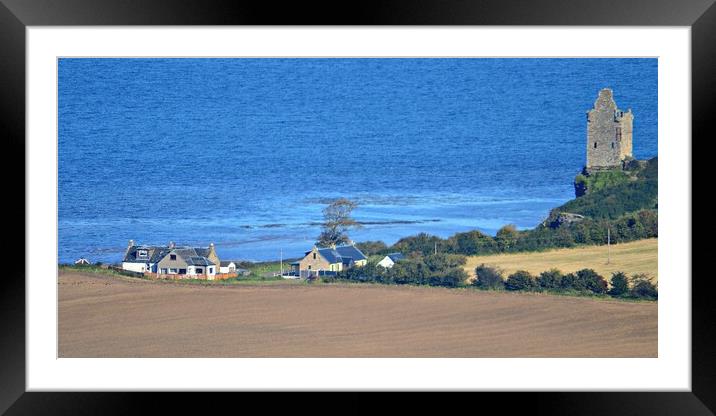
pixel 106 316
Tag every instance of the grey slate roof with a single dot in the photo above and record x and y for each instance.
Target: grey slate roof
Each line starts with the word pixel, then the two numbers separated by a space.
pixel 396 256
pixel 352 252
pixel 331 255
pixel 198 261
pixel 342 254
pixel 156 253
pixel 225 263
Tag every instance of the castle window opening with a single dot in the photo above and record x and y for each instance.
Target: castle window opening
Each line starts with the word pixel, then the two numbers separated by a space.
pixel 612 145
pixel 619 133
pixel 595 145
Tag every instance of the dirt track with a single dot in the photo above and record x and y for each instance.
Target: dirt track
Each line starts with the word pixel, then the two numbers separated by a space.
pixel 109 317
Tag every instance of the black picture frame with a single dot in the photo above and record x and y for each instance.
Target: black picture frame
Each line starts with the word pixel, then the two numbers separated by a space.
pixel 16 15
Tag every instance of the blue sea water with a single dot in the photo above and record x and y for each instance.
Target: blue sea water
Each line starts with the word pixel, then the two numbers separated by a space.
pixel 246 152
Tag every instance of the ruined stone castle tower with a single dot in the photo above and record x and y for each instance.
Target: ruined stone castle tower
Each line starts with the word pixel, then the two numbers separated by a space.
pixel 609 133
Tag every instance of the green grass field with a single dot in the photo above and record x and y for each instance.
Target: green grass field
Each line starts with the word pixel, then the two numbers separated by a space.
pixel 634 257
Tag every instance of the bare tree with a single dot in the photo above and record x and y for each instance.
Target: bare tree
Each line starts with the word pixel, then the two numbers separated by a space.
pixel 336 222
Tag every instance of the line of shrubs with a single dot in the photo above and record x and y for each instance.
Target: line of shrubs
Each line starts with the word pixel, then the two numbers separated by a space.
pixel 433 270
pixel 586 281
pixel 446 270
pixel 634 226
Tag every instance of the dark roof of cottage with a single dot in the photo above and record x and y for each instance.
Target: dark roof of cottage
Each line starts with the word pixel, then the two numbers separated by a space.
pixel 342 254
pixel 396 256
pixel 156 253
pixel 331 255
pixel 225 263
pixel 198 261
pixel 351 251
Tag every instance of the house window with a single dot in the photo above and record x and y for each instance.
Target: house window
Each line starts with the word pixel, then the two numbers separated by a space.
pixel 211 270
pixel 174 256
pixel 199 271
pixel 173 271
pixel 164 271
pixel 182 271
pixel 142 253
pixel 309 267
pixel 314 256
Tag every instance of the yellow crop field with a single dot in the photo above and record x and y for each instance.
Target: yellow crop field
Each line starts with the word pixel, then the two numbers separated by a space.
pixel 633 257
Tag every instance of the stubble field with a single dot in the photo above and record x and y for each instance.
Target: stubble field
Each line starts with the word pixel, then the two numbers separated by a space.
pixel 634 257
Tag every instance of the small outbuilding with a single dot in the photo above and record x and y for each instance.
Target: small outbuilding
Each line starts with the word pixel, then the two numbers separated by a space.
pixel 390 260
pixel 82 260
pixel 227 266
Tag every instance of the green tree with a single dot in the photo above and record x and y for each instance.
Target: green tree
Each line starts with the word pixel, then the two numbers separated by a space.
pixel 441 262
pixel 588 279
pixel 569 282
pixel 488 277
pixel 506 237
pixel 370 248
pixel 472 242
pixel 452 278
pixel 422 244
pixel 620 284
pixel 643 287
pixel 550 279
pixel 336 222
pixel 520 280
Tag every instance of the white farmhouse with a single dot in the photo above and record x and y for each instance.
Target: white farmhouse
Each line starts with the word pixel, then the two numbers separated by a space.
pixel 389 260
pixel 179 262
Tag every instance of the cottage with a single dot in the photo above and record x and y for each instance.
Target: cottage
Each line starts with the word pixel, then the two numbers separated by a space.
pixel 330 260
pixel 172 261
pixel 82 261
pixel 143 258
pixel 390 260
pixel 227 266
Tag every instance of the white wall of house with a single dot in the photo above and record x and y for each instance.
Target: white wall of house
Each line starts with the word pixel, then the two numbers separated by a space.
pixel 387 262
pixel 208 271
pixel 135 267
pixel 228 269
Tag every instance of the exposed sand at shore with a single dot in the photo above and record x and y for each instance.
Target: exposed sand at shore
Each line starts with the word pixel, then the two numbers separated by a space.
pixel 104 316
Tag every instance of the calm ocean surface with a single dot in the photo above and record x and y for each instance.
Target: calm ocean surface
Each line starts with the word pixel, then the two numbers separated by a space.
pixel 245 152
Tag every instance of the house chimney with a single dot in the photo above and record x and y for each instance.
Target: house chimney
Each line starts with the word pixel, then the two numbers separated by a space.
pixel 211 255
pixel 171 245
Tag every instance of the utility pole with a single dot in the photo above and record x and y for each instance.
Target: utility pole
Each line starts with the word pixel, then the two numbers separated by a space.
pixel 281 262
pixel 436 247
pixel 609 245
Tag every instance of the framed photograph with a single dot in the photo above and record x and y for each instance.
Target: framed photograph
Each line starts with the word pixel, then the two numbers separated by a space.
pixel 443 198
